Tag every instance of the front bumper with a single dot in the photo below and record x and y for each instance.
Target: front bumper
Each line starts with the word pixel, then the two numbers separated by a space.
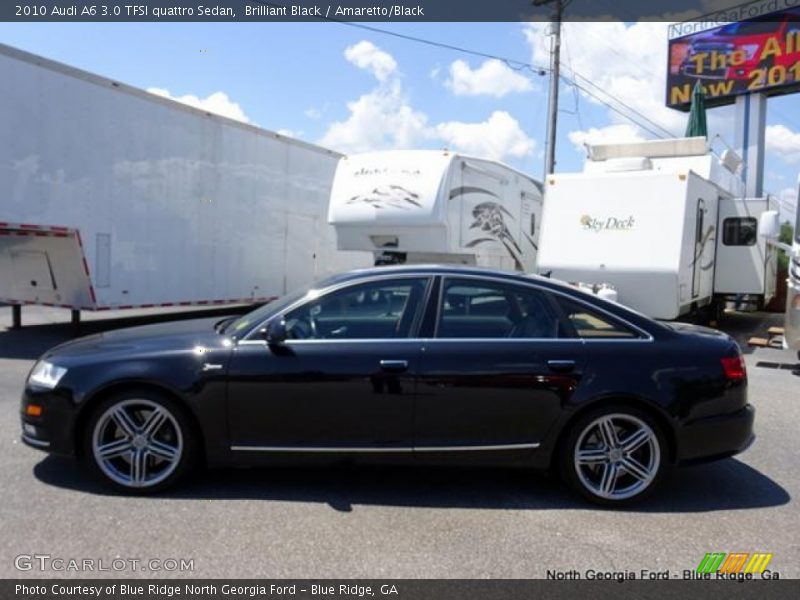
pixel 53 430
pixel 713 438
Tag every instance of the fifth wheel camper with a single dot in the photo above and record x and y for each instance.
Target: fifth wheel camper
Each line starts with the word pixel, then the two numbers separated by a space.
pixel 664 223
pixel 436 206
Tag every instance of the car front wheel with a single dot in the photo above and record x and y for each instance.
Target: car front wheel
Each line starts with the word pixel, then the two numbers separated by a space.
pixel 139 442
pixel 614 456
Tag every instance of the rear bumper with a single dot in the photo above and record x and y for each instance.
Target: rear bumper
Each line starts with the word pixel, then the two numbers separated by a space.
pixel 713 438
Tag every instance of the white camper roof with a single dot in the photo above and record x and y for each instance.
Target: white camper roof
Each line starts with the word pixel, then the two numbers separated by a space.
pixel 694 146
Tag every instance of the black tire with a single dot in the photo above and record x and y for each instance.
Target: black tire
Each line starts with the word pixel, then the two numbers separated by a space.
pixel 143 466
pixel 588 478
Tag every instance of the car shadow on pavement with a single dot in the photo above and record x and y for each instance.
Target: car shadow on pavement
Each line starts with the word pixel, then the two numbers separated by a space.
pixel 725 485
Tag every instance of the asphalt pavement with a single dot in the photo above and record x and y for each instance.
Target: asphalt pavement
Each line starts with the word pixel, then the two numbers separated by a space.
pixel 392 523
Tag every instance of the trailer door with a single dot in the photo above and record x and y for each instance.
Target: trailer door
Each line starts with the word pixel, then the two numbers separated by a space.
pixel 741 253
pixel 301 251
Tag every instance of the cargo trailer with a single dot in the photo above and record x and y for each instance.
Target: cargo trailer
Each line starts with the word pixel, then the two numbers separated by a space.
pixel 116 198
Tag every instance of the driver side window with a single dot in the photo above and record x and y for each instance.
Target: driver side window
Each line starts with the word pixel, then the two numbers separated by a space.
pixel 376 310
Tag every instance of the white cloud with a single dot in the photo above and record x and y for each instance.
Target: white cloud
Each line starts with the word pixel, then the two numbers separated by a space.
pixel 312 113
pixel 492 78
pixel 365 55
pixel 497 137
pixel 289 133
pixel 384 118
pixel 628 62
pixel 784 143
pixel 218 103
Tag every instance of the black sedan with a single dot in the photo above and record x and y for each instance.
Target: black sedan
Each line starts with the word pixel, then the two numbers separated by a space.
pixel 439 365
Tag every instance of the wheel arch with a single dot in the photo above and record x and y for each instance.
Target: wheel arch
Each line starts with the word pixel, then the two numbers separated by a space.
pixel 89 403
pixel 618 399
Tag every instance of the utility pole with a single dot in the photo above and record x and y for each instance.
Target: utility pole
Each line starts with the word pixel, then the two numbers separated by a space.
pixel 552 101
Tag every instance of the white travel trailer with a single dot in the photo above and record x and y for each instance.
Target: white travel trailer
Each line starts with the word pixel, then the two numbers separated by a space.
pixel 663 223
pixel 791 330
pixel 116 198
pixel 436 206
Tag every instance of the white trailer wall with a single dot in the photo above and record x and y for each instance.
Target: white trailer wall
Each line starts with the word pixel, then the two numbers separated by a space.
pixel 172 204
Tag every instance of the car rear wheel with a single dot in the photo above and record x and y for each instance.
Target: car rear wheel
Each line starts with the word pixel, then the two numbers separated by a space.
pixel 614 456
pixel 139 442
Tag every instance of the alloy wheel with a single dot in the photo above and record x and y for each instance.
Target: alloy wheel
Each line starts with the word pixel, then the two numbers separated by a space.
pixel 617 456
pixel 137 443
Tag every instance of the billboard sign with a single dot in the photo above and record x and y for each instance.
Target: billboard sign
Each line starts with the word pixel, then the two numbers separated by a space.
pixel 758 55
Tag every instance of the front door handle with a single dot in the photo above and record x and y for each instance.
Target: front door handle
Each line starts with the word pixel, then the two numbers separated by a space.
pixel 394 366
pixel 561 366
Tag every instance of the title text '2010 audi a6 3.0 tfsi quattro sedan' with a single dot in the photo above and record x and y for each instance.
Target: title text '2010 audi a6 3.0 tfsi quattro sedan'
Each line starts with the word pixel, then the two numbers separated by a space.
pixel 432 365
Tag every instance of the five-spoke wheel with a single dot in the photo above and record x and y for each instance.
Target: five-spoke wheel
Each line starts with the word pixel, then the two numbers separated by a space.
pixel 613 456
pixel 138 441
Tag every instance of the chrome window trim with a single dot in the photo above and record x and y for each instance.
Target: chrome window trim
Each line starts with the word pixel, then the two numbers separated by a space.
pixel 347 283
pixel 388 449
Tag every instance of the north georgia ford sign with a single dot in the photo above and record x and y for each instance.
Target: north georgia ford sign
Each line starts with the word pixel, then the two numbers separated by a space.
pixel 597 225
pixel 758 55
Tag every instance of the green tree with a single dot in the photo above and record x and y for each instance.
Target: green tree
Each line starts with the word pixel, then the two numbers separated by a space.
pixel 787 232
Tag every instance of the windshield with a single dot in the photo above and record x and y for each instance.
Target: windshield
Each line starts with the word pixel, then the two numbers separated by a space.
pixel 242 325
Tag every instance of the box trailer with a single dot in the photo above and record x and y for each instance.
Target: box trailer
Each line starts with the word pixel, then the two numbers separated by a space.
pixel 664 224
pixel 436 206
pixel 116 198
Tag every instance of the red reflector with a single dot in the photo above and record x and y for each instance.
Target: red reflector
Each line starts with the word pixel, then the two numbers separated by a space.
pixel 734 367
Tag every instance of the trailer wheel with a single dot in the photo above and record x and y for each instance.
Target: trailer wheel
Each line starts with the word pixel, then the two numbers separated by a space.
pixel 139 442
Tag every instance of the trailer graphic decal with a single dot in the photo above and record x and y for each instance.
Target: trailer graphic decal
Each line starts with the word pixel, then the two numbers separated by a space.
pixel 463 190
pixel 489 219
pixel 388 196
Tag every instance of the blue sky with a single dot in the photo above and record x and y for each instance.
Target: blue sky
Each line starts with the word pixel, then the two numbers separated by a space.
pixel 353 89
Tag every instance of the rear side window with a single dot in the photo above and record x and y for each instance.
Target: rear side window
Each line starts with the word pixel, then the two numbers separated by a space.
pixel 483 309
pixel 589 324
pixel 739 231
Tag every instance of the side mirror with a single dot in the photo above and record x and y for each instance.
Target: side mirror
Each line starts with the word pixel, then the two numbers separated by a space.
pixel 275 332
pixel 769 225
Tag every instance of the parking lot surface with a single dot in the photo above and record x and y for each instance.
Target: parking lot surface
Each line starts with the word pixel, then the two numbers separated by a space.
pixel 396 523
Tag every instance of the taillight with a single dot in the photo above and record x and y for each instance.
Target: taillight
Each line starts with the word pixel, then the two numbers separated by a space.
pixel 734 367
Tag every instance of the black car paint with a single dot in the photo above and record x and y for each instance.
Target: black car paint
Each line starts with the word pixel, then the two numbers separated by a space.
pixel 245 393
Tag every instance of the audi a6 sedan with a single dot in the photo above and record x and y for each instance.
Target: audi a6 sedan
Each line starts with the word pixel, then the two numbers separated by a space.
pixel 435 365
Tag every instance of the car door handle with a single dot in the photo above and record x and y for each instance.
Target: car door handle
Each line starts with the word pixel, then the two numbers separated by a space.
pixel 561 366
pixel 394 366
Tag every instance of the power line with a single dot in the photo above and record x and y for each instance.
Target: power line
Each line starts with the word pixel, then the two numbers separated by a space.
pixel 517 65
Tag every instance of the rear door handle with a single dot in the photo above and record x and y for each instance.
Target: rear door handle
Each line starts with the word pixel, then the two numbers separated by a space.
pixel 561 366
pixel 394 366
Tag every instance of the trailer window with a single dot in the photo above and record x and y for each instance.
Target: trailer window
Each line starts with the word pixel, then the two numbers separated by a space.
pixel 589 324
pixel 739 231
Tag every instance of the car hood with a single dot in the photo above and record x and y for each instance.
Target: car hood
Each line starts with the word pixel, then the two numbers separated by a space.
pixel 174 335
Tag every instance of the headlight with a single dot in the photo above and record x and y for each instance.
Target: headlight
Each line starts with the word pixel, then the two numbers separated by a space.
pixel 46 375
